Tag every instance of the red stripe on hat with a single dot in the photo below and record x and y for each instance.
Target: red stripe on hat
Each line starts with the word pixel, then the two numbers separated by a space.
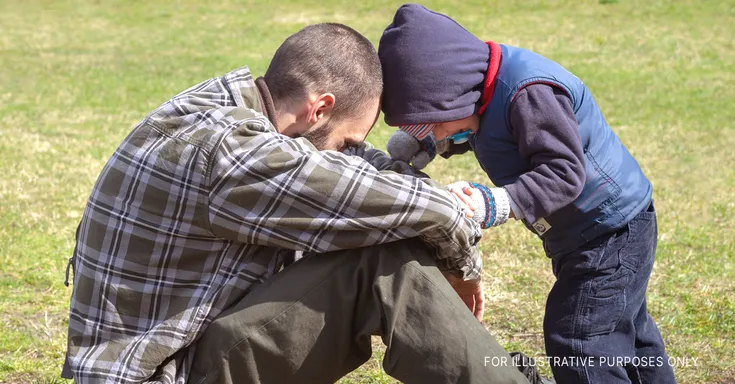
pixel 492 74
pixel 418 131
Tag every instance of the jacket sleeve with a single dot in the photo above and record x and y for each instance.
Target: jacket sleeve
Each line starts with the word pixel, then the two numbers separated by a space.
pixel 543 123
pixel 382 162
pixel 275 191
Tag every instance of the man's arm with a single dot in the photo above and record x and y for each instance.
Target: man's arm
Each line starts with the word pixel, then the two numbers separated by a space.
pixel 270 190
pixel 544 124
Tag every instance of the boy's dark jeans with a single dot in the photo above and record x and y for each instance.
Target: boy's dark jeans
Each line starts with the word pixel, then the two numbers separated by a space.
pixel 596 314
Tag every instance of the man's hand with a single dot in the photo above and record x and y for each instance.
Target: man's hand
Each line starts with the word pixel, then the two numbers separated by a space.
pixel 471 292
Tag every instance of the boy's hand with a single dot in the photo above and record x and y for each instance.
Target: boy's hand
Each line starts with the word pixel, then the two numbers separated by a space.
pixel 491 205
pixel 471 292
pixel 404 147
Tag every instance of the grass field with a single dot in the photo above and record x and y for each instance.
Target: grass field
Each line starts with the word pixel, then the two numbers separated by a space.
pixel 76 75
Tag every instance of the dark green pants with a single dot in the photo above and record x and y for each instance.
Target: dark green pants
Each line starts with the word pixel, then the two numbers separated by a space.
pixel 312 322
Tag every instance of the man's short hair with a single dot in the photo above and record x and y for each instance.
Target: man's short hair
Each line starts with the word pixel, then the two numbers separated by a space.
pixel 323 58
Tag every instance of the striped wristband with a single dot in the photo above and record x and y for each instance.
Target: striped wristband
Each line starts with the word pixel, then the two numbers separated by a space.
pixel 497 205
pixel 502 205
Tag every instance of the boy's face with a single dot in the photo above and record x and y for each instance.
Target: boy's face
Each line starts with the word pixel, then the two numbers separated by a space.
pixel 449 128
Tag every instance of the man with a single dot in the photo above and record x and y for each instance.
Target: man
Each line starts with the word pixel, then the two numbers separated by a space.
pixel 538 133
pixel 181 243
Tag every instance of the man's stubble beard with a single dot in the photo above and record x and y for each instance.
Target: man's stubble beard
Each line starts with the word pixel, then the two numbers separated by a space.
pixel 319 137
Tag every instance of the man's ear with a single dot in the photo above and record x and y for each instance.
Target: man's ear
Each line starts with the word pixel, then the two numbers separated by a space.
pixel 321 106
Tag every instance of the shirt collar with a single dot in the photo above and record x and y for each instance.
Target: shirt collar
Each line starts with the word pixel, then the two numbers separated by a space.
pixel 251 94
pixel 269 109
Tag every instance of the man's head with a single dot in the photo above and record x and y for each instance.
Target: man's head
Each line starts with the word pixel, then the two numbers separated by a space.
pixel 326 83
pixel 434 72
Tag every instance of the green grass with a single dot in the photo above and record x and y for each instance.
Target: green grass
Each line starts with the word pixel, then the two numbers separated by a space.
pixel 76 75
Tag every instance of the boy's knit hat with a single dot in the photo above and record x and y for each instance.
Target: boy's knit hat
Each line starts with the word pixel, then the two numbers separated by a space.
pixel 433 70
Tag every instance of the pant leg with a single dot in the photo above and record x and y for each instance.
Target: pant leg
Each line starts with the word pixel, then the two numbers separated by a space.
pixel 573 318
pixel 312 322
pixel 649 345
pixel 593 308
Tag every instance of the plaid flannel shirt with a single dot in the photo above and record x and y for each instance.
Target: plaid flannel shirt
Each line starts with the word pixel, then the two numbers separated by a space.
pixel 203 201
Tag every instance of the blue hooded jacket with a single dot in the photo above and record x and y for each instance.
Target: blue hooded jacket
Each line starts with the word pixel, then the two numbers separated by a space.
pixel 615 188
pixel 434 71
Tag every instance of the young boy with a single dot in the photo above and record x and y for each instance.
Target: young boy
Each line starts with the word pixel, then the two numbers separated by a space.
pixel 542 140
